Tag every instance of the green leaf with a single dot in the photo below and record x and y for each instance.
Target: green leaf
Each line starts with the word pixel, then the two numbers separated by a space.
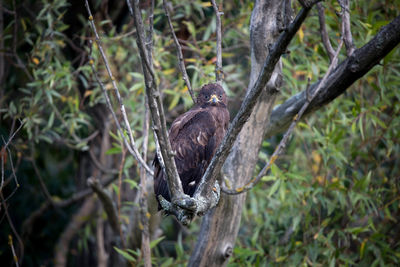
pixel 156 241
pixel 125 254
pixel 133 184
pixel 360 126
pixel 114 150
pixel 274 188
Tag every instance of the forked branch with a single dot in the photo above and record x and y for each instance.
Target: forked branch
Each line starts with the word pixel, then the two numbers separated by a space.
pixel 324 33
pixel 346 31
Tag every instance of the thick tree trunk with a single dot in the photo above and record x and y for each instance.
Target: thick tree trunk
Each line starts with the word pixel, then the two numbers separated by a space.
pixel 219 227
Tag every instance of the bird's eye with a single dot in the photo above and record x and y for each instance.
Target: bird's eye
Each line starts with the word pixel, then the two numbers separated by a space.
pixel 206 97
pixel 220 96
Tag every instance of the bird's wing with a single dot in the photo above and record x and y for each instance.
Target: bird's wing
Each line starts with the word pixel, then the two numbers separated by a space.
pixel 192 138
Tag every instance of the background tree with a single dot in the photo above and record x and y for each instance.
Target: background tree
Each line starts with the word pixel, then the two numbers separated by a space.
pixel 331 198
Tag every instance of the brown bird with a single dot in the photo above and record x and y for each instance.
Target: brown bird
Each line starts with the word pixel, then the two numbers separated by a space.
pixel 194 137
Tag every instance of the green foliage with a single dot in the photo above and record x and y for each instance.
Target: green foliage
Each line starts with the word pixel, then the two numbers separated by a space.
pixel 333 198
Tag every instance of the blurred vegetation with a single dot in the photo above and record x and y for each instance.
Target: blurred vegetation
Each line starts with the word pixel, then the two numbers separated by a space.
pixel 332 199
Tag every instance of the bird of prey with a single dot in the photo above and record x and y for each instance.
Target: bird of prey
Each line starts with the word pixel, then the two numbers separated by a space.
pixel 195 137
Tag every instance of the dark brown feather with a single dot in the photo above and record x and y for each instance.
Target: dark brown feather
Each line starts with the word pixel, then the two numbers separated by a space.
pixel 195 136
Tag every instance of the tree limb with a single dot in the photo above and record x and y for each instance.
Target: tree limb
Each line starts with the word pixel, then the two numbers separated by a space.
pixel 349 71
pixel 324 34
pixel 346 31
pixel 218 63
pixel 179 53
pixel 107 203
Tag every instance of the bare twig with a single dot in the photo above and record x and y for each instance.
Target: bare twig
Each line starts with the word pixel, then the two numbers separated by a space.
pixel 131 146
pixel 3 153
pixel 179 52
pixel 346 31
pixel 324 33
pixel 218 64
pixel 12 175
pixel 121 169
pixel 17 258
pixel 10 243
pixel 283 143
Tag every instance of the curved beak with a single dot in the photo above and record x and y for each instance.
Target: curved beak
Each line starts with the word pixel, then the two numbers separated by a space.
pixel 214 99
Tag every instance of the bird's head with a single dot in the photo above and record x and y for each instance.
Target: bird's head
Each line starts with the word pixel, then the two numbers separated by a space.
pixel 212 94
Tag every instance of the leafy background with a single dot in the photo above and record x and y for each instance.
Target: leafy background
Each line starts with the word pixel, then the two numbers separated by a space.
pixel 331 199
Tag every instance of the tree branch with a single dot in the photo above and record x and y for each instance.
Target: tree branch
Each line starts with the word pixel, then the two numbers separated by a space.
pixel 3 153
pixel 144 214
pixel 349 71
pixel 107 203
pixel 218 63
pixel 179 53
pixel 346 31
pixel 131 146
pixel 324 34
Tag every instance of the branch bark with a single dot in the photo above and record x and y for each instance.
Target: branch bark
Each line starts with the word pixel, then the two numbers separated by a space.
pixel 107 203
pixel 218 63
pixel 324 33
pixel 346 31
